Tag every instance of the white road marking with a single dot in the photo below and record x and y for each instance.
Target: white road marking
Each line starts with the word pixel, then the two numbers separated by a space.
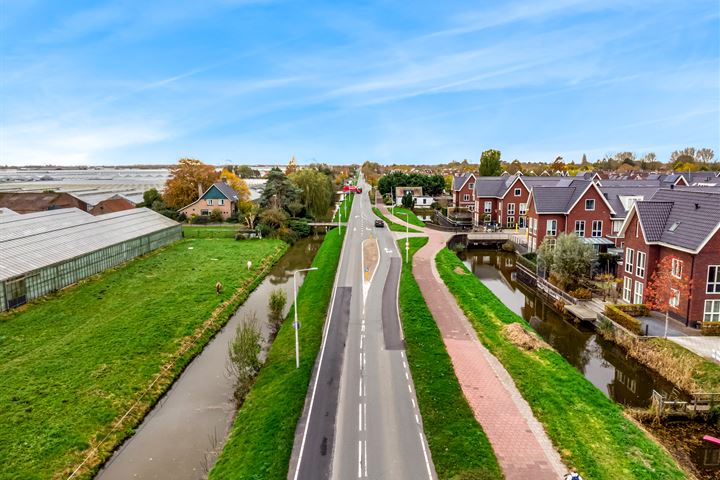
pixel 406 376
pixel 402 353
pixel 366 461
pixel 427 462
pixel 360 389
pixel 413 402
pixel 409 389
pixel 360 419
pixel 361 341
pixel 404 365
pixel 360 458
pixel 417 419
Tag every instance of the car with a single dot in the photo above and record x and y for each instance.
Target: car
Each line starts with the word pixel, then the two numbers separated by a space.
pixel 379 223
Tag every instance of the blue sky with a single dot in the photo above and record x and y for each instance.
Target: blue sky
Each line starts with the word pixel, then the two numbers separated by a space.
pixel 339 82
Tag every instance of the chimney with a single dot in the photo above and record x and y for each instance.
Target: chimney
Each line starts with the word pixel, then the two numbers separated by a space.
pixel 200 190
pixel 672 187
pixel 697 206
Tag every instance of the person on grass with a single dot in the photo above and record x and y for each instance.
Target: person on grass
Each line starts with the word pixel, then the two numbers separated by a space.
pixel 573 475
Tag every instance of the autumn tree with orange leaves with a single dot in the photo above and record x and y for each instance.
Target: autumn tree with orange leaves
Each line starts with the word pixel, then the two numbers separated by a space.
pixel 236 183
pixel 181 188
pixel 667 286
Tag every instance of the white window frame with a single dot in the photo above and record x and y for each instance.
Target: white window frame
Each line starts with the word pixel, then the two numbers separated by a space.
pixel 221 201
pixel 511 209
pixel 711 313
pixel 488 207
pixel 627 289
pixel 596 232
pixel 209 201
pixel 471 186
pixel 629 256
pixel 714 285
pixel 511 222
pixel 551 231
pixel 523 208
pixel 580 232
pixel 676 267
pixel 586 204
pixel 640 264
pixel 471 208
pixel 638 294
pixel 517 192
pixel 675 299
pixel 466 197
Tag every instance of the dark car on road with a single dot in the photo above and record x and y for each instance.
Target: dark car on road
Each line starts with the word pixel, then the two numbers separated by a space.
pixel 379 223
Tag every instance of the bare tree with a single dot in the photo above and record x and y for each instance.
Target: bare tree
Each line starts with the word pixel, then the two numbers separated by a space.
pixel 705 155
pixel 245 356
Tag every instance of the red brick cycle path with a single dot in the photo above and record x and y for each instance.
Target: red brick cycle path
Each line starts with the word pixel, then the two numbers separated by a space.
pixel 519 441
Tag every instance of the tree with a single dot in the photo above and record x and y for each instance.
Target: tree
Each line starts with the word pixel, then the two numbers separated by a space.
pixel 558 165
pixel 316 191
pixel 245 356
pixel 150 197
pixel 666 287
pixel 584 162
pixel 407 200
pixel 705 155
pixel 569 260
pixel 514 167
pixel 181 188
pixel 686 155
pixel 291 167
pixel 244 171
pixel 236 183
pixel 279 190
pixel 490 163
pixel 274 218
pixel 248 212
pixel 276 306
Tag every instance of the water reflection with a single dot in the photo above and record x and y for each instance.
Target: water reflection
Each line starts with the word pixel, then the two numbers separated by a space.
pixel 603 363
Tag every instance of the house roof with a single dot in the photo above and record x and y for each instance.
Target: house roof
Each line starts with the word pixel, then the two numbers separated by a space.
pixel 558 198
pixel 26 202
pixel 684 218
pixel 225 189
pixel 614 195
pixel 459 180
pixel 116 203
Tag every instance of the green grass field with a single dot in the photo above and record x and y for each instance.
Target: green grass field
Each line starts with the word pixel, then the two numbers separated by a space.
pixel 407 215
pixel 214 231
pixel 457 442
pixel 588 429
pixel 394 227
pixel 74 362
pixel 262 436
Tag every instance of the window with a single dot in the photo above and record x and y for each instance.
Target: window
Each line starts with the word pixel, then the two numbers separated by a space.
pixel 472 186
pixel 640 269
pixel 713 281
pixel 712 311
pixel 638 298
pixel 590 204
pixel 488 207
pixel 674 227
pixel 580 228
pixel 523 208
pixel 535 222
pixel 551 242
pixel 627 289
pixel 221 201
pixel 675 300
pixel 629 252
pixel 517 192
pixel 209 201
pixel 204 212
pixel 597 228
pixel 551 227
pixel 511 222
pixel 511 209
pixel 471 208
pixel 676 268
pixel 466 197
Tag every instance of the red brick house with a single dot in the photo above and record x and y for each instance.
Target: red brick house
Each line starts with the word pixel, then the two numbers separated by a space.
pixel 570 206
pixel 463 188
pixel 503 200
pixel 220 196
pixel 685 225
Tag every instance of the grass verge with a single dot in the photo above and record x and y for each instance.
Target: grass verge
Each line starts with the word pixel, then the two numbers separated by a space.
pixel 345 208
pixel 457 442
pixel 394 227
pixel 215 231
pixel 261 440
pixel 408 216
pixel 75 362
pixel 589 430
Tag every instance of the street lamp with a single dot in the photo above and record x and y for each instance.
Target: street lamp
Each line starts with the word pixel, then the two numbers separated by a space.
pixel 296 324
pixel 407 233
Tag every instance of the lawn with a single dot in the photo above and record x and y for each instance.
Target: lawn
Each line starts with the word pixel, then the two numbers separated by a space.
pixel 262 436
pixel 394 227
pixel 407 215
pixel 213 231
pixel 76 361
pixel 457 442
pixel 683 366
pixel 588 429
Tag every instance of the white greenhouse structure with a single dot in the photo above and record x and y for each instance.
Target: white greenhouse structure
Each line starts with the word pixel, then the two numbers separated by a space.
pixel 45 251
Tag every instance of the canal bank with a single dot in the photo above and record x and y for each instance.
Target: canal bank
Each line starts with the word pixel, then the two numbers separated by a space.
pixel 602 362
pixel 181 437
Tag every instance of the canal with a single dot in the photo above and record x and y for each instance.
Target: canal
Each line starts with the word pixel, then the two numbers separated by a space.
pixel 182 436
pixel 602 362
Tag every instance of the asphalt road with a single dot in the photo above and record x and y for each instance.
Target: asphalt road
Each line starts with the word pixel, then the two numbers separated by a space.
pixel 361 418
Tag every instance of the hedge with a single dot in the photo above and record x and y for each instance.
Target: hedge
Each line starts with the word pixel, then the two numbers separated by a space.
pixel 625 315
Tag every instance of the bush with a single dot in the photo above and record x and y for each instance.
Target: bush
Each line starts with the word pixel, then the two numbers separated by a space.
pixel 245 356
pixel 300 227
pixel 216 216
pixel 508 246
pixel 285 234
pixel 710 329
pixel 200 219
pixel 276 306
pixel 582 293
pixel 618 314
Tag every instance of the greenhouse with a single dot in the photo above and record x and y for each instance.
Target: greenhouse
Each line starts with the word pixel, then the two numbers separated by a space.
pixel 45 251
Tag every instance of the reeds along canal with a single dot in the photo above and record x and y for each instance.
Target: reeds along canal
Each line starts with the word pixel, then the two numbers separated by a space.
pixel 602 362
pixel 181 437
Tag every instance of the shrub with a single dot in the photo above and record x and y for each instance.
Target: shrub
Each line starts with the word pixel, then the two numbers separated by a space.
pixel 245 356
pixel 508 246
pixel 710 329
pixel 216 215
pixel 199 219
pixel 617 314
pixel 300 227
pixel 276 305
pixel 582 293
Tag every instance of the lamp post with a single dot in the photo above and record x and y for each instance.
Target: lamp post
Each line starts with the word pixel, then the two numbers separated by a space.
pixel 407 233
pixel 296 324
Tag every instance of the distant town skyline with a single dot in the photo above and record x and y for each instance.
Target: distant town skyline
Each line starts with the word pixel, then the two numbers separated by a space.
pixel 256 82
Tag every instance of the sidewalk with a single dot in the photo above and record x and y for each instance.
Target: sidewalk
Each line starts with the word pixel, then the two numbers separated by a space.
pixel 519 441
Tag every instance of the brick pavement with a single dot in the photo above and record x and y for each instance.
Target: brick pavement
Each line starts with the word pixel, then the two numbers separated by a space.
pixel 519 441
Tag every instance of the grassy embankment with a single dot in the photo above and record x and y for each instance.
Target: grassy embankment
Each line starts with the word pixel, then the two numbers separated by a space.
pixel 76 361
pixel 262 436
pixel 588 429
pixel 345 207
pixel 394 227
pixel 213 231
pixel 457 442
pixel 408 216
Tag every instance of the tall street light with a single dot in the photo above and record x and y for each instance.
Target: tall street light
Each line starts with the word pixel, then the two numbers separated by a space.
pixel 296 324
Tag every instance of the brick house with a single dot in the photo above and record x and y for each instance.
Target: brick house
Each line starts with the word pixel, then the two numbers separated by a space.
pixel 570 206
pixel 463 188
pixel 685 225
pixel 115 203
pixel 220 196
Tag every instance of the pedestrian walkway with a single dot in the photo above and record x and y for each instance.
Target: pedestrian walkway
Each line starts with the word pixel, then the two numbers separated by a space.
pixel 519 441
